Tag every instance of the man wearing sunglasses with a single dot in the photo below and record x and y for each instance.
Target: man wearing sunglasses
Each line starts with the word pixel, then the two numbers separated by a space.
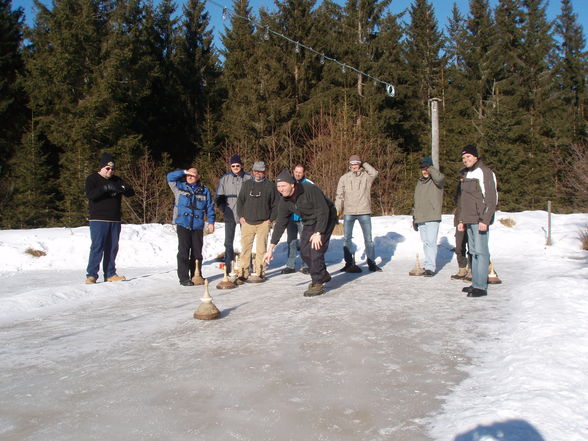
pixel 256 207
pixel 227 191
pixel 104 191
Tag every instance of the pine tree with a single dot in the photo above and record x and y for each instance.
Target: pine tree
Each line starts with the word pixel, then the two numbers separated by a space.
pixel 238 79
pixel 198 73
pixel 535 92
pixel 32 200
pixel 425 66
pixel 62 64
pixel 12 108
pixel 571 74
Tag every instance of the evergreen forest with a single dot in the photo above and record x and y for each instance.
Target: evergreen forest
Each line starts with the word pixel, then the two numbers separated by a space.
pixel 145 82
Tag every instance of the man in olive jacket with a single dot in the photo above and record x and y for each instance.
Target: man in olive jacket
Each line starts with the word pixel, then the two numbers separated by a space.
pixel 428 201
pixel 477 206
pixel 354 201
pixel 319 218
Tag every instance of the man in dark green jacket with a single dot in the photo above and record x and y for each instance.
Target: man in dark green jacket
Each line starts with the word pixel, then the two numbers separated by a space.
pixel 319 218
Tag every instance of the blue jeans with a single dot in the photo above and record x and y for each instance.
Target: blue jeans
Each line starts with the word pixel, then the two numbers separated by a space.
pixel 294 228
pixel 365 221
pixel 104 236
pixel 478 248
pixel 428 231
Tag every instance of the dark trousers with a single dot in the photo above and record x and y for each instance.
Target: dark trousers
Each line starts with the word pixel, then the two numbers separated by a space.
pixel 189 249
pixel 461 240
pixel 104 237
pixel 230 227
pixel 315 259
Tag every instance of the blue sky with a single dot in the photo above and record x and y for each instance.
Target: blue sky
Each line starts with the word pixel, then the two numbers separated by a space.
pixel 442 10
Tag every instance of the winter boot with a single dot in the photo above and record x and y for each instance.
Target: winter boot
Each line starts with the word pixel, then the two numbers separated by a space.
pixel 116 278
pixel 351 267
pixel 461 274
pixel 255 278
pixel 90 280
pixel 477 292
pixel 315 289
pixel 468 277
pixel 326 278
pixel 372 266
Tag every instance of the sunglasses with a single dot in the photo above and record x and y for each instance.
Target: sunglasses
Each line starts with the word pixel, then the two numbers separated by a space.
pixel 108 168
pixel 236 166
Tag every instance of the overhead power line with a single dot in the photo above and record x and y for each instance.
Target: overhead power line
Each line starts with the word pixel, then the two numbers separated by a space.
pixel 298 46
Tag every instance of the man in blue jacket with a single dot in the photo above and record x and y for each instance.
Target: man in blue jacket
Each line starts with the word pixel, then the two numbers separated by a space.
pixel 192 205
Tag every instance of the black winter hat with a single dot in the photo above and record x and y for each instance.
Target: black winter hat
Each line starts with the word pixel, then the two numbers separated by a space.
pixel 285 176
pixel 235 159
pixel 471 149
pixel 106 160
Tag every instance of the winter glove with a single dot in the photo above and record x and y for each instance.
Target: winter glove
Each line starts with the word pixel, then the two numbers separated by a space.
pixel 414 225
pixel 113 188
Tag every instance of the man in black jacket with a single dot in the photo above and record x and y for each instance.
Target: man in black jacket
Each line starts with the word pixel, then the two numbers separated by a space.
pixel 319 218
pixel 104 191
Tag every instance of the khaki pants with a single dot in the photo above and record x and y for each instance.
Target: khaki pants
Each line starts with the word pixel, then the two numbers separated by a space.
pixel 248 234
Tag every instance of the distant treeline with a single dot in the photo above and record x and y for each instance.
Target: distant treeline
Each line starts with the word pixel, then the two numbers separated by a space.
pixel 147 84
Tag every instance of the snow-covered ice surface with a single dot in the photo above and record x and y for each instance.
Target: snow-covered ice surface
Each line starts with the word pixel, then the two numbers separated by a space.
pixel 380 356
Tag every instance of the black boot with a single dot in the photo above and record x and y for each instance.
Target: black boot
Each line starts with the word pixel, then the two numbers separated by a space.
pixel 477 292
pixel 372 266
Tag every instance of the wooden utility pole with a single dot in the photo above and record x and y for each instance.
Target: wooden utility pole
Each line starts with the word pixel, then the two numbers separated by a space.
pixel 434 110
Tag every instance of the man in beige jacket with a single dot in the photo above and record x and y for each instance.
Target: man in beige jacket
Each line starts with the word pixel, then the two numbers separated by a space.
pixel 354 202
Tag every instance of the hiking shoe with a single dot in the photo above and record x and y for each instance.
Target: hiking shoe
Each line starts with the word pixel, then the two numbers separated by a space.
pixel 428 273
pixel 254 278
pixel 116 278
pixel 326 278
pixel 461 274
pixel 240 280
pixel 477 292
pixel 351 268
pixel 90 280
pixel 467 289
pixel 186 283
pixel 304 270
pixel 315 289
pixel 288 270
pixel 468 276
pixel 373 267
